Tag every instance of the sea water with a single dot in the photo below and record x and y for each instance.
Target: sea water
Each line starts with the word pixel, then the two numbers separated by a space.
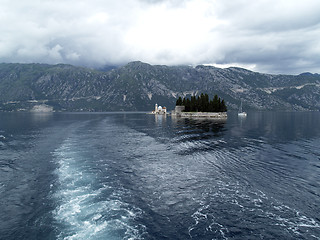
pixel 140 176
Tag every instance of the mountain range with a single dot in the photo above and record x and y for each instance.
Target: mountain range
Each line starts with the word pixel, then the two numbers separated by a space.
pixel 138 86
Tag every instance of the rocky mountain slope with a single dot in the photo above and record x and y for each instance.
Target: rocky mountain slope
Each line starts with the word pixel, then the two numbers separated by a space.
pixel 138 86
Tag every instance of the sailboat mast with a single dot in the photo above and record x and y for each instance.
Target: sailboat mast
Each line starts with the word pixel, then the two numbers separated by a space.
pixel 240 109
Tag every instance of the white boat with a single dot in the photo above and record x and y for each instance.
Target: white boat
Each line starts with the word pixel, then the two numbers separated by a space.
pixel 241 113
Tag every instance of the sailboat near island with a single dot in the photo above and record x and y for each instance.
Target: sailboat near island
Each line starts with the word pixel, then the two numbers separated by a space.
pixel 241 113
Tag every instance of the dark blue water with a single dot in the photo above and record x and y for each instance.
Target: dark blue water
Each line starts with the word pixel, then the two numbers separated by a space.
pixel 139 176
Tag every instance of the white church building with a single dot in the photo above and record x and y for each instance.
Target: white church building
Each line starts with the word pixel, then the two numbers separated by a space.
pixel 159 110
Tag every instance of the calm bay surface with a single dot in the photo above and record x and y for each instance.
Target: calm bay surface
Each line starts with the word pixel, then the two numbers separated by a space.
pixel 139 176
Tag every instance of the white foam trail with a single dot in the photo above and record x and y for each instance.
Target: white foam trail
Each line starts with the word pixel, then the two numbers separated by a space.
pixel 83 212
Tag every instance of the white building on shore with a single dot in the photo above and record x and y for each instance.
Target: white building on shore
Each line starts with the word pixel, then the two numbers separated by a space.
pixel 159 110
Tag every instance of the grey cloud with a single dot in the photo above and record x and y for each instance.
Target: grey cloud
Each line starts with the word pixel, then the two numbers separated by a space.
pixel 173 3
pixel 276 36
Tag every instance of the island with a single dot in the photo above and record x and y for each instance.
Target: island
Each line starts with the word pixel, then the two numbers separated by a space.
pixel 200 107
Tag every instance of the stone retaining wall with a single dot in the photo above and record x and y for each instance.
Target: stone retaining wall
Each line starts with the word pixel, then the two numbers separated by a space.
pixel 218 115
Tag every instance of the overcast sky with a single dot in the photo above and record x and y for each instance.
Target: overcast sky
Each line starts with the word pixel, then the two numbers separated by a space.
pixel 273 36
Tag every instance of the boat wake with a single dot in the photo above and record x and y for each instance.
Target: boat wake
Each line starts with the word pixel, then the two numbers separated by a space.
pixel 87 208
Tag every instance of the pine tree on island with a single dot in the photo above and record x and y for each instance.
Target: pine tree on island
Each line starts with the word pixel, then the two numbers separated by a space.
pixel 202 103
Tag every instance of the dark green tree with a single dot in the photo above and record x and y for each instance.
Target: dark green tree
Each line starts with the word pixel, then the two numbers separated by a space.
pixel 193 104
pixel 215 103
pixel 202 103
pixel 223 106
pixel 179 102
pixel 184 102
pixel 187 106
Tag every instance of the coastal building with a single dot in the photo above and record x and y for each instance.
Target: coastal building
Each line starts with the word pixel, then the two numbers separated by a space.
pixel 178 110
pixel 159 110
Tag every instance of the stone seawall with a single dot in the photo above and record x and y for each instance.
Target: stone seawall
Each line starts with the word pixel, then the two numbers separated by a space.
pixel 216 115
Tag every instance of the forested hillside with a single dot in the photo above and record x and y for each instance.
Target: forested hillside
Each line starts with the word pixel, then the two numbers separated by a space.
pixel 138 86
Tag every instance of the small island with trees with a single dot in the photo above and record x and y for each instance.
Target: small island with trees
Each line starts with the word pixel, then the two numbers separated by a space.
pixel 201 106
